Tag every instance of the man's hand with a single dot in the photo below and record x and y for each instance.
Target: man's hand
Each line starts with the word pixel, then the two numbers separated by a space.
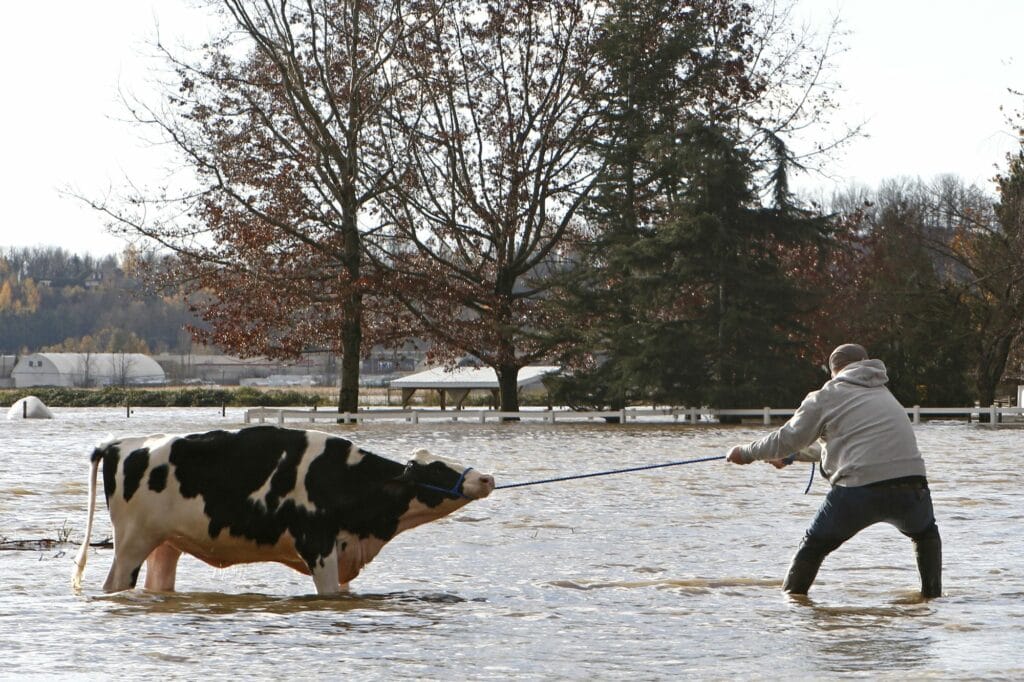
pixel 736 456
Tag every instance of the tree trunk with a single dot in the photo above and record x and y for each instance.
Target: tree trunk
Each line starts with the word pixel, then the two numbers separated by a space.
pixel 991 366
pixel 351 352
pixel 508 389
pixel 351 257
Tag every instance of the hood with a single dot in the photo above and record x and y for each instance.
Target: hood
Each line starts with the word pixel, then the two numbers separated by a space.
pixel 869 373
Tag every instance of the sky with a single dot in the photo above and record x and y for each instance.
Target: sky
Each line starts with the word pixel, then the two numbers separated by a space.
pixel 926 78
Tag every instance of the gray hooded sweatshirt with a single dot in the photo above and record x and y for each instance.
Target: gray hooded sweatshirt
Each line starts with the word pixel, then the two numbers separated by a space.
pixel 866 433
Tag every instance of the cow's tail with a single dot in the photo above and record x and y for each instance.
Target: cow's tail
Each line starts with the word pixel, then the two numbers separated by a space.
pixel 83 552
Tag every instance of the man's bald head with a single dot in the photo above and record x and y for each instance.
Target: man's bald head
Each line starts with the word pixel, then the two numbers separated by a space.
pixel 844 355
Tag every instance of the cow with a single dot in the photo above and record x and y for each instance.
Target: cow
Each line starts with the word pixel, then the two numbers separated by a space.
pixel 310 500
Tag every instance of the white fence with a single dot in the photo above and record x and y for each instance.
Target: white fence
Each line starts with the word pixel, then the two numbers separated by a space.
pixel 994 415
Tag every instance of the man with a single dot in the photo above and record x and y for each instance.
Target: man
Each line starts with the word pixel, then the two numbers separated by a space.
pixel 871 459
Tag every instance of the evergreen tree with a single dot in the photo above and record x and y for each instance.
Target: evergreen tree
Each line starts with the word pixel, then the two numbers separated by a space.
pixel 679 295
pixel 641 46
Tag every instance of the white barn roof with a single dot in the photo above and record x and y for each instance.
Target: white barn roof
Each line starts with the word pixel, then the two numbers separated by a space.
pixel 471 377
pixel 74 369
pixel 458 382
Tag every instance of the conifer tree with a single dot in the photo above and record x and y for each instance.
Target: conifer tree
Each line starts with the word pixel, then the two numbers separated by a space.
pixel 679 294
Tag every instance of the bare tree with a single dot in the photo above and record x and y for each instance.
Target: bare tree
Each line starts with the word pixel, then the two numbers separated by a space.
pixel 84 377
pixel 498 173
pixel 984 245
pixel 121 364
pixel 279 121
pixel 784 105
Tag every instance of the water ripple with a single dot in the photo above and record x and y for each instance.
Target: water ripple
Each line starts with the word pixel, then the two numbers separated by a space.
pixel 654 575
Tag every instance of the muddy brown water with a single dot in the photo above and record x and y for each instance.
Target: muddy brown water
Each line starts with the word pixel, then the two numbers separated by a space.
pixel 667 573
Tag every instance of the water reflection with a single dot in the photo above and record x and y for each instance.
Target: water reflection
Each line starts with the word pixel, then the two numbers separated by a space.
pixel 869 638
pixel 136 602
pixel 687 584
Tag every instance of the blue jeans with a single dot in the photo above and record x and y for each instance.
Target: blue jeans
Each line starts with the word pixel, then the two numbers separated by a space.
pixel 903 503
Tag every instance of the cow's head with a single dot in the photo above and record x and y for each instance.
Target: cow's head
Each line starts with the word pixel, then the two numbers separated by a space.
pixel 452 481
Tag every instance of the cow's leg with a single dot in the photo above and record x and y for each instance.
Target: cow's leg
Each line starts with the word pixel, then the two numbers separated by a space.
pixel 162 568
pixel 325 574
pixel 128 557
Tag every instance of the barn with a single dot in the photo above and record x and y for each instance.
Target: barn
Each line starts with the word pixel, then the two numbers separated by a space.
pixel 87 369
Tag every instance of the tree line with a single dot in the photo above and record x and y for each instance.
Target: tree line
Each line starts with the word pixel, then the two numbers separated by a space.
pixel 602 183
pixel 53 300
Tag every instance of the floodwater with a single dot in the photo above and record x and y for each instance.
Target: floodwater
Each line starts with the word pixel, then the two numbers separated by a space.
pixel 665 573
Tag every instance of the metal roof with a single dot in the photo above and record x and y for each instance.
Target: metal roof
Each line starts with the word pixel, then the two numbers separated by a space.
pixel 471 377
pixel 130 365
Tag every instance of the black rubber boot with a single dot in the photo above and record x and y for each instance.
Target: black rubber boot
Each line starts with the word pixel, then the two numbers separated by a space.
pixel 800 576
pixel 929 563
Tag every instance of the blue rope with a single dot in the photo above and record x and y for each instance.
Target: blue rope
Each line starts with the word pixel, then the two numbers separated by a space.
pixel 811 479
pixel 792 458
pixel 608 473
pixel 631 469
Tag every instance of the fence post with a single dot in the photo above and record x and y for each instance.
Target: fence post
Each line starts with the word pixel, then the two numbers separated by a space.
pixel 992 413
pixel 767 416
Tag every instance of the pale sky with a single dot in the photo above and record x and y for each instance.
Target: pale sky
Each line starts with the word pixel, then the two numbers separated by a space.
pixel 927 77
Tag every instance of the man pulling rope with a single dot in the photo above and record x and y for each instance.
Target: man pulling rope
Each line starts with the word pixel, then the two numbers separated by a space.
pixel 871 460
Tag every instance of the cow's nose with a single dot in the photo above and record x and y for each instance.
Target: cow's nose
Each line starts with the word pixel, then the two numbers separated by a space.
pixel 487 481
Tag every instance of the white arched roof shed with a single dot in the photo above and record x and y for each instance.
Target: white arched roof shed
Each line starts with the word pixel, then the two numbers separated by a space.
pixel 86 369
pixel 459 381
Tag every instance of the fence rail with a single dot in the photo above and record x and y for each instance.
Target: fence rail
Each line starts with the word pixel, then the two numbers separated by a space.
pixel 993 415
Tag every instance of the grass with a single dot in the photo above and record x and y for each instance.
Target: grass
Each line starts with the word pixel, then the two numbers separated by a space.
pixel 116 396
pixel 217 396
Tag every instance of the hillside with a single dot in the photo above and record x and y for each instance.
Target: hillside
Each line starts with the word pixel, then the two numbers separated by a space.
pixel 57 301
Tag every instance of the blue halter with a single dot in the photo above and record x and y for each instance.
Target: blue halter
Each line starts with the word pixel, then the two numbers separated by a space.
pixel 454 490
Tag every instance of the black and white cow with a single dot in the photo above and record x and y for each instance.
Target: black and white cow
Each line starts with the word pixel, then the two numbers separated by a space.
pixel 307 499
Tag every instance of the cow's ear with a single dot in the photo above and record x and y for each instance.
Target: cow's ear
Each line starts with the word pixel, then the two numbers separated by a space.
pixel 408 474
pixel 401 484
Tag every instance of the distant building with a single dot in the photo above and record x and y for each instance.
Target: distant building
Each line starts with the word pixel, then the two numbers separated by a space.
pixel 7 363
pixel 87 370
pixel 317 369
pixel 281 380
pixel 456 383
pixel 228 370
